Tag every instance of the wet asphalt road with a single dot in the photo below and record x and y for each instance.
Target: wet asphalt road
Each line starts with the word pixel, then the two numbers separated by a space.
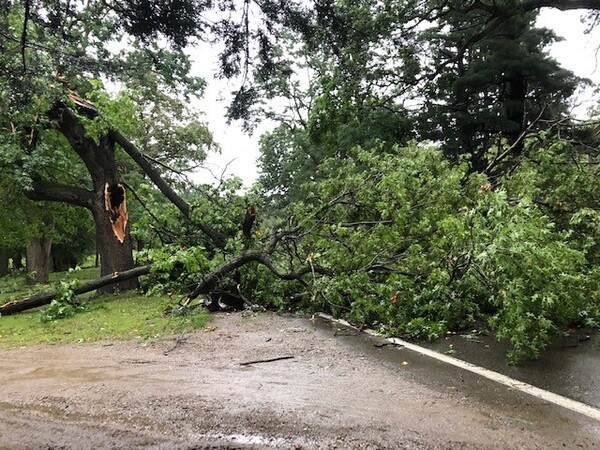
pixel 341 390
pixel 570 367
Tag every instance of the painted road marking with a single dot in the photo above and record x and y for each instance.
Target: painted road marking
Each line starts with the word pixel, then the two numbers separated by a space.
pixel 548 396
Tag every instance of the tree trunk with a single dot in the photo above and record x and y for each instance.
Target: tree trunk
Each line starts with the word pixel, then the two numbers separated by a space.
pixel 38 300
pixel 3 262
pixel 106 200
pixel 38 259
pixel 114 255
pixel 17 261
pixel 514 108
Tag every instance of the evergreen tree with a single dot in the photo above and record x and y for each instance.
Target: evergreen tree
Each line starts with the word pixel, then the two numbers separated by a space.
pixel 489 93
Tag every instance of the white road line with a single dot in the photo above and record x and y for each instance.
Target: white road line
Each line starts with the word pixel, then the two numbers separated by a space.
pixel 548 396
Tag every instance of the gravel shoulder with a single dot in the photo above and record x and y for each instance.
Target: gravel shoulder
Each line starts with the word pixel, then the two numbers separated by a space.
pixel 338 391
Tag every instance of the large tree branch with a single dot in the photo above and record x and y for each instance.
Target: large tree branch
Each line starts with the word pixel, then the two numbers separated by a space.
pixel 210 280
pixel 54 192
pixel 154 174
pixel 87 108
pixel 216 237
pixel 563 5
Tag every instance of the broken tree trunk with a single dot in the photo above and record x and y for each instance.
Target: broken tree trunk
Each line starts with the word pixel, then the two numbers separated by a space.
pixel 217 238
pixel 45 298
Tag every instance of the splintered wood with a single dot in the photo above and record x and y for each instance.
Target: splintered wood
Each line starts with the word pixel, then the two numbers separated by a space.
pixel 116 205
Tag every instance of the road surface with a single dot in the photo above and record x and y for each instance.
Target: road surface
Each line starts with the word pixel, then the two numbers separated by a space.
pixel 339 391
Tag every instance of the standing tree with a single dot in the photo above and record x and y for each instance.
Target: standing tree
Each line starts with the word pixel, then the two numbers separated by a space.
pixel 52 53
pixel 493 90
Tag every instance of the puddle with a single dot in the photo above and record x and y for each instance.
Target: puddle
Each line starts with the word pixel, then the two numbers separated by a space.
pixel 255 440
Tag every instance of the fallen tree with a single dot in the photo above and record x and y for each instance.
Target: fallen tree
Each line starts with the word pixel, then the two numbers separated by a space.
pixel 42 299
pixel 208 283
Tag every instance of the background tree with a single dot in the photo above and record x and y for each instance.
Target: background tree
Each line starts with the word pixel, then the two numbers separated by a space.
pixel 493 90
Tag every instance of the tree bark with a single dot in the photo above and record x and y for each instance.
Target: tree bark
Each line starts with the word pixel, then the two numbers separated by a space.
pixel 114 255
pixel 17 260
pixel 38 259
pixel 44 299
pixel 114 249
pixel 3 261
pixel 514 107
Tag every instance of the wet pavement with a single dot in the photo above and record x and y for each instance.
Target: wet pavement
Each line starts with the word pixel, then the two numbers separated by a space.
pixel 570 367
pixel 341 389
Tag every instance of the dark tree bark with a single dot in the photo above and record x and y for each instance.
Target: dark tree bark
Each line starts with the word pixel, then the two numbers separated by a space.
pixel 62 259
pixel 514 107
pixel 17 260
pixel 99 159
pixel 114 255
pixel 4 255
pixel 37 251
pixel 563 5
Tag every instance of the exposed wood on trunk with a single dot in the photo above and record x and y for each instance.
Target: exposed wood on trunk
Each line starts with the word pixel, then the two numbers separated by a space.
pixel 115 202
pixel 45 298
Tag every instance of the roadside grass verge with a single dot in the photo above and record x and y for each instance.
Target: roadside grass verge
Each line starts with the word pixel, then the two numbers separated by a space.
pixel 123 316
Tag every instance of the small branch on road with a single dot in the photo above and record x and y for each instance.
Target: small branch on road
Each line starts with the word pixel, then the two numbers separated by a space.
pixel 259 361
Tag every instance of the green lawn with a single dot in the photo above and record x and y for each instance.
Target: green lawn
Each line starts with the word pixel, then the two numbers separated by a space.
pixel 123 316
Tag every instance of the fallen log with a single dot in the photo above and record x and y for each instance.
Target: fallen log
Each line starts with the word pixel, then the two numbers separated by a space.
pixel 42 299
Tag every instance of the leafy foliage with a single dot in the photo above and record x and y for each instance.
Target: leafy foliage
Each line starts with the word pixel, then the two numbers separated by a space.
pixel 418 246
pixel 65 305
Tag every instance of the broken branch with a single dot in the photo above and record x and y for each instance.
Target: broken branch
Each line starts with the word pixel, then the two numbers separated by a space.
pixel 259 361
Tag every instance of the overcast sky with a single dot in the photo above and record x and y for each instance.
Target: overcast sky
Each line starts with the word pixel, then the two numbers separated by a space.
pixel 578 52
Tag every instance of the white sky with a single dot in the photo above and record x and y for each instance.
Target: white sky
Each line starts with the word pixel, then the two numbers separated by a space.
pixel 238 149
pixel 578 52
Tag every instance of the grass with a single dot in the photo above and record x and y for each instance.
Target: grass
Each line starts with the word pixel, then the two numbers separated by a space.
pixel 122 316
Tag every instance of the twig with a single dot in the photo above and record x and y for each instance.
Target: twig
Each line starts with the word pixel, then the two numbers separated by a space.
pixel 178 341
pixel 515 144
pixel 166 166
pixel 387 344
pixel 258 361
